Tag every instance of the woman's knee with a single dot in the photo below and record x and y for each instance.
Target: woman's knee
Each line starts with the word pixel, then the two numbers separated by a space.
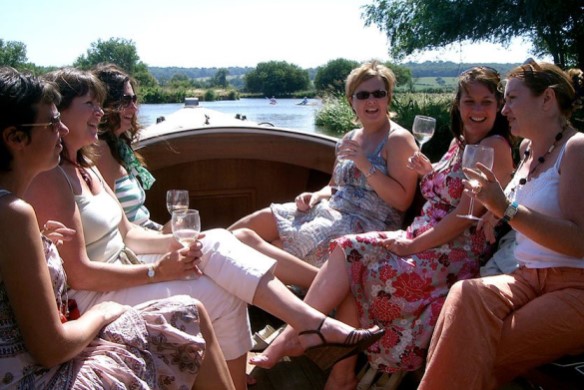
pixel 247 236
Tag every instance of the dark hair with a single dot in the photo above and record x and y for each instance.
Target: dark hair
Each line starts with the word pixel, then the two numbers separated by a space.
pixel 73 83
pixel 114 79
pixel 568 86
pixel 20 97
pixel 491 79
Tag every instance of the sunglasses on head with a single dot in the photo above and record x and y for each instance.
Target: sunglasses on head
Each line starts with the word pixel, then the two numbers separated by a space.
pixel 54 123
pixel 126 100
pixel 364 95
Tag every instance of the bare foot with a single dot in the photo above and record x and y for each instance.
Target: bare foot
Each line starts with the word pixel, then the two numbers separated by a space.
pixel 286 344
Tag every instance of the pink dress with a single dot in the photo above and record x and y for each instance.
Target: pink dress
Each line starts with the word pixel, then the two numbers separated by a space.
pixel 156 345
pixel 404 295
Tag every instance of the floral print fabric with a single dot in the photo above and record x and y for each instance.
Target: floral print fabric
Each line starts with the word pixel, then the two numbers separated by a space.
pixel 354 207
pixel 156 345
pixel 404 295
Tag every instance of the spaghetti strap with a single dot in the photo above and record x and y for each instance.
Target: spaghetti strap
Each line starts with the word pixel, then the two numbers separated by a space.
pixel 66 178
pixel 559 159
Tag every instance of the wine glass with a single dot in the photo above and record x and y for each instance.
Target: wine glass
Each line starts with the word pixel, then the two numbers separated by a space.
pixel 186 225
pixel 177 200
pixel 472 155
pixel 338 150
pixel 423 128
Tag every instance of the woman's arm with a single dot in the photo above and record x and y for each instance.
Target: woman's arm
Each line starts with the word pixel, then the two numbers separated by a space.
pixel 141 240
pixel 29 288
pixel 398 188
pixel 51 198
pixel 451 226
pixel 566 234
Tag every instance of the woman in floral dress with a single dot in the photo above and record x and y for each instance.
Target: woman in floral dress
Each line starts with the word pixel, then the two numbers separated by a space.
pixel 370 189
pixel 45 343
pixel 399 279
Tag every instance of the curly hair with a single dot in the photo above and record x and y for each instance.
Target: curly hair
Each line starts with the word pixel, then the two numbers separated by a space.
pixel 114 79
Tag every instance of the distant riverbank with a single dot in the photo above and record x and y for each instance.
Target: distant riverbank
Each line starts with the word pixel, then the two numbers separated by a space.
pixel 287 113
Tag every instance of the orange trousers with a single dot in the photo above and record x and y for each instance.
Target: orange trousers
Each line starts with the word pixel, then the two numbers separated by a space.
pixel 493 329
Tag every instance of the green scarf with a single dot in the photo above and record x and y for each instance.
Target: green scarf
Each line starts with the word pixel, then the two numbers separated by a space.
pixel 133 166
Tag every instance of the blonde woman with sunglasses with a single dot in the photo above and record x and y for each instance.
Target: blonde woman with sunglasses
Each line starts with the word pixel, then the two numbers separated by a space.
pixel 370 189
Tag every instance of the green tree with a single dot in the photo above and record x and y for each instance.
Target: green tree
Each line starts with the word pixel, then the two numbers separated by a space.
pixel 121 52
pixel 554 27
pixel 331 77
pixel 220 78
pixel 276 78
pixel 12 53
pixel 403 75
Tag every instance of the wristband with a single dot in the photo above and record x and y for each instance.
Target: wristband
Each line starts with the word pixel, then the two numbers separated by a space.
pixel 510 212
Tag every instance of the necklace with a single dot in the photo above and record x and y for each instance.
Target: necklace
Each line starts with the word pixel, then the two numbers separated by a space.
pixel 84 174
pixel 541 159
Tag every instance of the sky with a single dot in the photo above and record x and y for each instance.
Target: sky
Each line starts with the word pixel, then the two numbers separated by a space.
pixel 218 33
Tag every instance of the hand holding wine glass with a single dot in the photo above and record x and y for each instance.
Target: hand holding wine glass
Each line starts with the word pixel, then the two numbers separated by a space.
pixel 177 200
pixel 186 226
pixel 423 129
pixel 472 155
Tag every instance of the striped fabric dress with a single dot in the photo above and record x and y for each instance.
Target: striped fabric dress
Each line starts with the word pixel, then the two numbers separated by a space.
pixel 131 196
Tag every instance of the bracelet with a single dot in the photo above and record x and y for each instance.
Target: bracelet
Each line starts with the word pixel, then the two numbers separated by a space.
pixel 510 212
pixel 370 172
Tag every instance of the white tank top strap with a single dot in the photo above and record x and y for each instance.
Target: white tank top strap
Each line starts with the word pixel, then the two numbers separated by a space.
pixel 66 178
pixel 559 159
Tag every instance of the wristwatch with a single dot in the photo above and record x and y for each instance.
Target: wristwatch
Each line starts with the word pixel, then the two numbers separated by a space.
pixel 510 212
pixel 151 273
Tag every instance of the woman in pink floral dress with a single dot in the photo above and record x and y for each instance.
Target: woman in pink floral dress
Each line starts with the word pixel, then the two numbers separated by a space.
pixel 399 279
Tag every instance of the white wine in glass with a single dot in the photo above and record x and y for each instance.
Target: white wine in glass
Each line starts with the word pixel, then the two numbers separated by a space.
pixel 423 129
pixel 472 155
pixel 186 226
pixel 177 200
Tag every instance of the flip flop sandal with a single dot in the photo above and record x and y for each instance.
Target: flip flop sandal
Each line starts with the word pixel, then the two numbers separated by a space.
pixel 263 338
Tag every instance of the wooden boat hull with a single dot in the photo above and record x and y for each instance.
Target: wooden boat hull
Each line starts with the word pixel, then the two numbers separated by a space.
pixel 232 171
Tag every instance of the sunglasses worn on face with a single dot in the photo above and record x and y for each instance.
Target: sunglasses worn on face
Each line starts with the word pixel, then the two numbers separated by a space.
pixel 126 100
pixel 364 95
pixel 54 123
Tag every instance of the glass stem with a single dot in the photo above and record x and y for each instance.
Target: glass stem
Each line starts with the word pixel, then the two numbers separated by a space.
pixel 470 209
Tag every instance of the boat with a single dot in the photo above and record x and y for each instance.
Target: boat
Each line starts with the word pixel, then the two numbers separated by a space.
pixel 231 167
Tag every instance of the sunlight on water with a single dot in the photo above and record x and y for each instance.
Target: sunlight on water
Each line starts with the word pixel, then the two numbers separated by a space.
pixel 286 113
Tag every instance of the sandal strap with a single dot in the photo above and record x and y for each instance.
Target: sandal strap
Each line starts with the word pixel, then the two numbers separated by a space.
pixel 316 332
pixel 357 335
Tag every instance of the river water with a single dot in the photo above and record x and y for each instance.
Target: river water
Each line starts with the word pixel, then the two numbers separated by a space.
pixel 285 113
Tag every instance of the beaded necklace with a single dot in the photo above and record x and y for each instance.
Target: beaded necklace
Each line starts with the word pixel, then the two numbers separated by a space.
pixel 84 174
pixel 540 160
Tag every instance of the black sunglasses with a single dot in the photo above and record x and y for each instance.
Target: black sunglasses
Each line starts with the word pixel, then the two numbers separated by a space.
pixel 126 100
pixel 364 95
pixel 54 123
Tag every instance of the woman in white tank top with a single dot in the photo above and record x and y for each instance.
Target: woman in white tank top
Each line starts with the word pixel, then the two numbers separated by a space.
pixel 495 328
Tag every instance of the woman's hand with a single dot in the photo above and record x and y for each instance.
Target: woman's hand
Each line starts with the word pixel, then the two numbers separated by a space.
pixel 420 163
pixel 182 263
pixel 484 186
pixel 487 225
pixel 351 150
pixel 398 244
pixel 57 232
pixel 308 200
